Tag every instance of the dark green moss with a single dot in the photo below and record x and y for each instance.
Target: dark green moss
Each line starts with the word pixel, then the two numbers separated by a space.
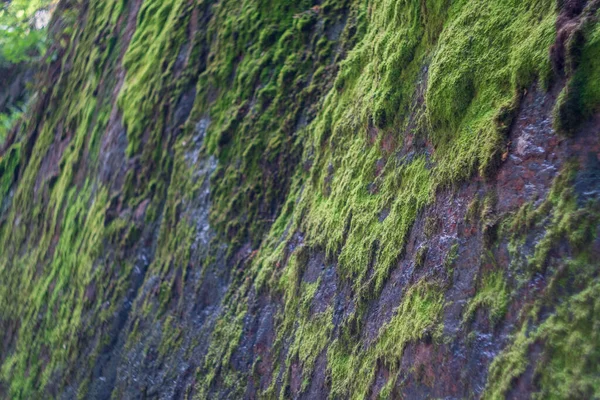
pixel 9 168
pixel 581 97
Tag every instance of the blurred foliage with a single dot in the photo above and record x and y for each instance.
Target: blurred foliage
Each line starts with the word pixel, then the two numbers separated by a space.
pixel 7 120
pixel 23 29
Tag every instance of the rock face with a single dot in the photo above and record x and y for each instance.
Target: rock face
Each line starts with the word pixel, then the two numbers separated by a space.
pixel 308 199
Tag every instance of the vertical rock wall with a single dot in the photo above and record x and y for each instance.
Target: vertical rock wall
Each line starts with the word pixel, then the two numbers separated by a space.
pixel 306 199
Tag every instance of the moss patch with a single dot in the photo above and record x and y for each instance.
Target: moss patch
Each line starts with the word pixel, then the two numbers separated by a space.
pixel 565 367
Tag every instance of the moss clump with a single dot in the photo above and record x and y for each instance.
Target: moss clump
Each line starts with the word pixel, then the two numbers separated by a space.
pixel 149 63
pixel 492 294
pixel 432 226
pixel 451 258
pixel 224 340
pixel 568 221
pixel 508 365
pixel 568 365
pixel 310 339
pixel 420 256
pixel 473 210
pixel 486 54
pixel 581 96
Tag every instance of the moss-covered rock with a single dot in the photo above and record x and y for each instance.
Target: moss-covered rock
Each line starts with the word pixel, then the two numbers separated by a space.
pixel 276 199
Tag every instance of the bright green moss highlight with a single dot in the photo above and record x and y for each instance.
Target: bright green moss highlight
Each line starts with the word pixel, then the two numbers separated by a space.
pixel 348 223
pixel 149 62
pixel 487 53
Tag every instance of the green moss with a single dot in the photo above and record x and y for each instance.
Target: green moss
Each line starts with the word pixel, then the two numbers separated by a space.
pixel 8 121
pixel 420 256
pixel 489 219
pixel 310 339
pixel 451 258
pixel 387 390
pixel 149 62
pixel 383 73
pixel 567 220
pixel 296 156
pixel 352 367
pixel 59 298
pixel 581 96
pixel 491 294
pixel 224 340
pixel 486 54
pixel 353 177
pixel 566 367
pixel 432 226
pixel 171 337
pixel 255 102
pixel 308 333
pixel 473 210
pixel 9 167
pixel 569 366
pixel 508 365
pixel 59 283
